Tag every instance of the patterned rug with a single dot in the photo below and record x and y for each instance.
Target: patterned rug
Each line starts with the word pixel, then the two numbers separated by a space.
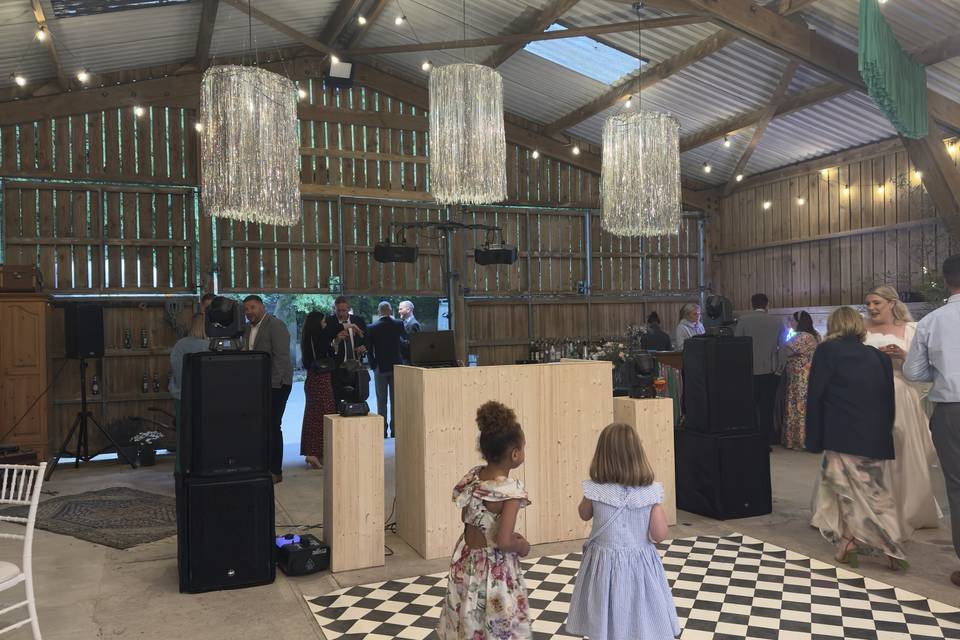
pixel 730 587
pixel 117 517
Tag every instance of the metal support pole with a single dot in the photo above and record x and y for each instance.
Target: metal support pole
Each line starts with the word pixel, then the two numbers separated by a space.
pixel 588 283
pixel 341 260
pixel 702 259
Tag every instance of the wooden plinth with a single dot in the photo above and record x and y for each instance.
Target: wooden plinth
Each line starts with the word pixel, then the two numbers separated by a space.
pixel 353 491
pixel 562 408
pixel 653 420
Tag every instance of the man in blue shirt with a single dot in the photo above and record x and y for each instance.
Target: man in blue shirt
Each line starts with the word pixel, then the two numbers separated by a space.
pixel 935 357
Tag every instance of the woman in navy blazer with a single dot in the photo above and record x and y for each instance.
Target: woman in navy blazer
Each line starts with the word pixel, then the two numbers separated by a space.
pixel 850 409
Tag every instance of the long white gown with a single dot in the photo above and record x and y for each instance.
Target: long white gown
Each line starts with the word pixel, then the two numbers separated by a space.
pixel 909 473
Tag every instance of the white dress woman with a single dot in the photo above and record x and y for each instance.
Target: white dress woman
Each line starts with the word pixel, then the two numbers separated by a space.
pixel 909 473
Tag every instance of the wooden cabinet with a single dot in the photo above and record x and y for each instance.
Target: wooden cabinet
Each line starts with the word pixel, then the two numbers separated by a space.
pixel 24 329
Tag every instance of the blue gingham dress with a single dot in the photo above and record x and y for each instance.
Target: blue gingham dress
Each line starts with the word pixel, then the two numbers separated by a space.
pixel 621 592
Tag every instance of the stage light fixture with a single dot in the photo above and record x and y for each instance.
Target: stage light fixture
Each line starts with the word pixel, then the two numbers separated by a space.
pixel 388 252
pixel 495 254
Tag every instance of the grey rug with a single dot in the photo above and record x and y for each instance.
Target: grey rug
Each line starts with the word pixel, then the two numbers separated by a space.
pixel 117 517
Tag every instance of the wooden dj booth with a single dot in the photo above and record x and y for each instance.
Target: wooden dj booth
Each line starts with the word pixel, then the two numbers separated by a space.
pixel 562 408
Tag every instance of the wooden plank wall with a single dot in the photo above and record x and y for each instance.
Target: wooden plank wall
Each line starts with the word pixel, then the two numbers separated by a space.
pixel 834 229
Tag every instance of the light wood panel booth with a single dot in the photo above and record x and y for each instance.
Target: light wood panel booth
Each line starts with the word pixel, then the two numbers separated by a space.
pixel 562 408
pixel 353 491
pixel 653 420
pixel 24 328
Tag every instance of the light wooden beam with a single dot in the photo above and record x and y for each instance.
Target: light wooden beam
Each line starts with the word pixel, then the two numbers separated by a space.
pixel 941 50
pixel 370 17
pixel 283 28
pixel 62 78
pixel 208 20
pixel 768 114
pixel 939 175
pixel 787 7
pixel 535 24
pixel 646 79
pixel 523 38
pixel 345 11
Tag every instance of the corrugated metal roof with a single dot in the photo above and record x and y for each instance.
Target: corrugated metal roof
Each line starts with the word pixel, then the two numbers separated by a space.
pixel 20 52
pixel 231 34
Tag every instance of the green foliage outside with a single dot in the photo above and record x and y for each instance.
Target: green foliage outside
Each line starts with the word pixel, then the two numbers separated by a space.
pixel 933 289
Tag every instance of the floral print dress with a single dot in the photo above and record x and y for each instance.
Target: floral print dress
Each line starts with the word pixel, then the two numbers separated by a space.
pixel 486 596
pixel 799 360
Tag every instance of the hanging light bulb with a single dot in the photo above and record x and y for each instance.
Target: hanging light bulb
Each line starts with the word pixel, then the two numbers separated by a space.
pixel 42 33
pixel 399 20
pixel 198 126
pixel 334 59
pixel 19 79
pixel 726 141
pixel 427 65
pixel 629 102
pixel 139 111
pixel 824 172
pixel 880 189
pixel 707 168
pixel 739 177
pixel 767 204
pixel 83 75
pixel 952 149
pixel 361 20
pixel 918 174
pixel 846 190
pixel 576 150
pixel 535 154
pixel 301 93
pixel 801 201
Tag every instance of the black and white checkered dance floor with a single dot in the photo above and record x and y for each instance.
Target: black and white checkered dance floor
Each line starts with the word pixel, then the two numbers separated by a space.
pixel 728 587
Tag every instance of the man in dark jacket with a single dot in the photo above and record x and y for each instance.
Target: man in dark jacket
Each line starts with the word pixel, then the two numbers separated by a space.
pixel 383 346
pixel 410 324
pixel 655 338
pixel 346 335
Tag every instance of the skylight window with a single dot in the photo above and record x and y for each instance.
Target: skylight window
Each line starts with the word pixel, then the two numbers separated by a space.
pixel 586 56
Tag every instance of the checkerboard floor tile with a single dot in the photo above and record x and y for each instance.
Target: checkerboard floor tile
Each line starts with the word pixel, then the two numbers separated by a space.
pixel 730 587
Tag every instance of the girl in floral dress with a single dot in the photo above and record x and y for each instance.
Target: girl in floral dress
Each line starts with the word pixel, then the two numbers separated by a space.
pixel 486 595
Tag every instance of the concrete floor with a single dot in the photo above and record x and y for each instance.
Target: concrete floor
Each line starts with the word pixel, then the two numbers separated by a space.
pixel 87 591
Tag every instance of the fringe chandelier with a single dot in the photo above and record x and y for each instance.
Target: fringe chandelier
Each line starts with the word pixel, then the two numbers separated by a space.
pixel 468 153
pixel 250 154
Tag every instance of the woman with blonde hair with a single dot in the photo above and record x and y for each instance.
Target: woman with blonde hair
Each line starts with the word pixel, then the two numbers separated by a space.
pixel 890 328
pixel 689 325
pixel 850 412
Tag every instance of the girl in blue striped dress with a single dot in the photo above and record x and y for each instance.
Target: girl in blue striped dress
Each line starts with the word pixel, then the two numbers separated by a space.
pixel 621 592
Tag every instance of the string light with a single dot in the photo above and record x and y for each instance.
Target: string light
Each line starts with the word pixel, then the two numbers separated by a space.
pixel 767 204
pixel 576 150
pixel 19 79
pixel 42 33
pixel 824 172
pixel 302 93
pixel 952 149
pixel 427 65
pixel 726 141
pixel 707 168
pixel 361 20
pixel 846 190
pixel 198 126
pixel 139 111
pixel 82 75
pixel 918 174
pixel 880 189
pixel 535 154
pixel 629 102
pixel 739 177
pixel 399 20
pixel 801 201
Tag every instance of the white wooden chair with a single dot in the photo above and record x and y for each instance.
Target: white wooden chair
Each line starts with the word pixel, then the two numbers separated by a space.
pixel 20 485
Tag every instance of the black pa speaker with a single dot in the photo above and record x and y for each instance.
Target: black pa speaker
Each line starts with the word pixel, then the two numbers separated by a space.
pixel 723 476
pixel 386 252
pixel 225 532
pixel 83 331
pixel 718 384
pixel 225 413
pixel 495 254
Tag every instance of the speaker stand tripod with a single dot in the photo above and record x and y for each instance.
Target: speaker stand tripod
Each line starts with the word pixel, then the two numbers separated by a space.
pixel 81 428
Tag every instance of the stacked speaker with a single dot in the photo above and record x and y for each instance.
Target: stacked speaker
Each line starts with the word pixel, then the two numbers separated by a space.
pixel 225 513
pixel 723 462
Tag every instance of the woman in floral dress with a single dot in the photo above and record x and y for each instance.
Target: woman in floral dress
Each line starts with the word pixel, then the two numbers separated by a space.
pixel 486 597
pixel 799 357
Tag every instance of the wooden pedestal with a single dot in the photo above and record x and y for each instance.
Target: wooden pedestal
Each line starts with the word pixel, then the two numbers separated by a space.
pixel 653 420
pixel 562 408
pixel 353 491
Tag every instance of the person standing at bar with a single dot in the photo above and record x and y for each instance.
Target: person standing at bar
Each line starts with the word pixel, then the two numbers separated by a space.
pixel 410 325
pixel 384 338
pixel 767 334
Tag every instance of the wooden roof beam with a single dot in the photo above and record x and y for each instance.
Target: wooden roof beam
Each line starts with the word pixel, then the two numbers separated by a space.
pixel 275 24
pixel 62 79
pixel 941 50
pixel 940 177
pixel 646 79
pixel 370 17
pixel 768 114
pixel 208 21
pixel 341 16
pixel 536 24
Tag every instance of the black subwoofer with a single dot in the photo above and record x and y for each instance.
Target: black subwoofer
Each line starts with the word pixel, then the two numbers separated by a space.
pixel 225 413
pixel 723 476
pixel 225 532
pixel 83 331
pixel 718 384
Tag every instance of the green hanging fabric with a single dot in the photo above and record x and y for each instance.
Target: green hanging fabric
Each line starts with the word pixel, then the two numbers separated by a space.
pixel 896 83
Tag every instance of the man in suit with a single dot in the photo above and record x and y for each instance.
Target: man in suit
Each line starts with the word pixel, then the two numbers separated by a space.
pixel 384 338
pixel 410 324
pixel 268 333
pixel 346 334
pixel 768 336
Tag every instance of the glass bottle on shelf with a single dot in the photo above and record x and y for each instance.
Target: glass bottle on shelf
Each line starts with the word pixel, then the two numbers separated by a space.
pixel 146 384
pixel 95 386
pixel 144 338
pixel 156 383
pixel 127 341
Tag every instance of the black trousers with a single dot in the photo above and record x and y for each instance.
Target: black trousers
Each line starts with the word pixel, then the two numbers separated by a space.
pixel 278 403
pixel 765 400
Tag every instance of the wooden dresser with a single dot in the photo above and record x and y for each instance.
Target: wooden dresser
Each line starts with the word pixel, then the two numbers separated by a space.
pixel 24 375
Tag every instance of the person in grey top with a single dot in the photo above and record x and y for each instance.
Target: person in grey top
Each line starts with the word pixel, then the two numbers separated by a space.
pixel 268 333
pixel 767 333
pixel 410 325
pixel 195 341
pixel 935 357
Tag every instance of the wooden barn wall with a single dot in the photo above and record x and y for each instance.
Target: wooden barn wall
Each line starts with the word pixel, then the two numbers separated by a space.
pixel 864 220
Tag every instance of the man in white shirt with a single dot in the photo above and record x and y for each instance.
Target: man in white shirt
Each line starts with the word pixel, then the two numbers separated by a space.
pixel 935 357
